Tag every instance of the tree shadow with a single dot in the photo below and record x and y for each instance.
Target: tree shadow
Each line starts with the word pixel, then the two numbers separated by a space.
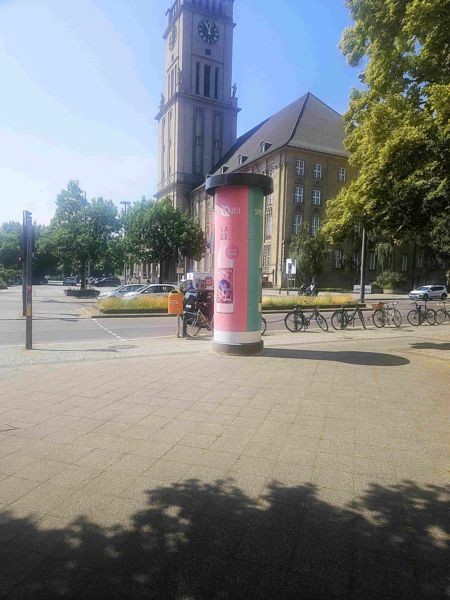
pixel 431 346
pixel 374 359
pixel 197 541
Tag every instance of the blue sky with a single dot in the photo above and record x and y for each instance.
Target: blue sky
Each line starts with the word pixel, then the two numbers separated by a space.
pixel 81 82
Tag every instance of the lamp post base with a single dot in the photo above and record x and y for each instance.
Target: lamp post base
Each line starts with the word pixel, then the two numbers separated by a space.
pixel 238 349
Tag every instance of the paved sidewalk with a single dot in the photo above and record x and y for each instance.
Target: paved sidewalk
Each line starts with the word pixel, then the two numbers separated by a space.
pixel 162 470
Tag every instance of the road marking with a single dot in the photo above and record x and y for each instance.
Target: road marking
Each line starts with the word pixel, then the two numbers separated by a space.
pixel 109 331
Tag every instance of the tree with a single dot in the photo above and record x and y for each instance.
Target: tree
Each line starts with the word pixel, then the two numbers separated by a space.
pixel 10 245
pixel 80 229
pixel 310 252
pixel 398 130
pixel 159 233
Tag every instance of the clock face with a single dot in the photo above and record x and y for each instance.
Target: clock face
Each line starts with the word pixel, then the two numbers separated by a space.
pixel 208 31
pixel 173 37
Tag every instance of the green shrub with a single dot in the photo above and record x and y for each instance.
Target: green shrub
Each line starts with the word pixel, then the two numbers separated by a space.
pixel 390 279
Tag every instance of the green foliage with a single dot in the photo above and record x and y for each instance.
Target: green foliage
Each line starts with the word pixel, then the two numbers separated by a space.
pixel 10 245
pixel 310 252
pixel 159 233
pixel 80 229
pixel 390 279
pixel 397 131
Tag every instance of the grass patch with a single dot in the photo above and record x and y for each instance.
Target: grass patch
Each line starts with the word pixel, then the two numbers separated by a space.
pixel 275 302
pixel 158 303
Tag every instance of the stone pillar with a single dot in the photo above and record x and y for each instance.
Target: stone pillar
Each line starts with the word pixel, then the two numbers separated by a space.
pixel 238 227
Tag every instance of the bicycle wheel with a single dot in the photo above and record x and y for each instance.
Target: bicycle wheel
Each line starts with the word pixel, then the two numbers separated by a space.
pixel 192 326
pixel 378 318
pixel 430 316
pixel 414 318
pixel 362 319
pixel 397 318
pixel 263 325
pixel 322 322
pixel 294 321
pixel 339 320
pixel 440 316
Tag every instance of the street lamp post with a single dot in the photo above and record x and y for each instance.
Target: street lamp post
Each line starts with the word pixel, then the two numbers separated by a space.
pixel 125 204
pixel 363 265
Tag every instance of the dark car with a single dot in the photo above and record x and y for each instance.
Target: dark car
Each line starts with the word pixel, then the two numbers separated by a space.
pixel 108 282
pixel 37 280
pixel 200 299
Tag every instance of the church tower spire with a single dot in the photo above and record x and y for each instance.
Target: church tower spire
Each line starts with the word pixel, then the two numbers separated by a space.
pixel 197 116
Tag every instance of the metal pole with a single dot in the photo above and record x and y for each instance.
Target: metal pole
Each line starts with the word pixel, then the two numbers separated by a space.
pixel 29 313
pixel 125 204
pixel 24 266
pixel 363 265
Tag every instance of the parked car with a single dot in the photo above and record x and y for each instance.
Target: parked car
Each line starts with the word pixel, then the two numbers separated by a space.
pixel 70 281
pixel 429 292
pixel 154 289
pixel 108 282
pixel 122 290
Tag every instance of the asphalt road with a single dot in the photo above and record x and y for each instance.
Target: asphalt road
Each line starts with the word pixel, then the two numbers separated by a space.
pixel 58 318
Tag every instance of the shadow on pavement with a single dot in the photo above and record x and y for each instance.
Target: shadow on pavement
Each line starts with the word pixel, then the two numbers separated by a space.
pixel 375 359
pixel 430 346
pixel 197 541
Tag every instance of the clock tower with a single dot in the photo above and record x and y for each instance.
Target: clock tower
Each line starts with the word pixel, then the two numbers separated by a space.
pixel 198 110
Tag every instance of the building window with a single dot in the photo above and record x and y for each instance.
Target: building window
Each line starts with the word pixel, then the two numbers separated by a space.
pixel 216 83
pixel 207 81
pixel 316 197
pixel 217 144
pixel 372 261
pixel 317 171
pixel 198 169
pixel 300 167
pixel 338 255
pixel 342 175
pixel 242 158
pixel 315 224
pixel 420 261
pixel 264 147
pixel 197 78
pixel 198 112
pixel 267 256
pixel 298 194
pixel 268 223
pixel 404 263
pixel 198 140
pixel 298 221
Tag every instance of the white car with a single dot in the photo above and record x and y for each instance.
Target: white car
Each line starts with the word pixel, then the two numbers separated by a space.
pixel 122 290
pixel 429 292
pixel 154 289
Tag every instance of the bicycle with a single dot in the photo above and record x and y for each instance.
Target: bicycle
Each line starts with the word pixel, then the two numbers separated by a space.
pixel 420 314
pixel 196 321
pixel 263 325
pixel 296 320
pixel 341 318
pixel 386 315
pixel 442 313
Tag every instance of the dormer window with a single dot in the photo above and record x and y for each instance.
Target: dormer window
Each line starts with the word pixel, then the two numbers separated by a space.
pixel 264 147
pixel 225 169
pixel 242 158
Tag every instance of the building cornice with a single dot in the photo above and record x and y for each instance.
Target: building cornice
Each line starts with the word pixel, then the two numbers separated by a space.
pixel 211 102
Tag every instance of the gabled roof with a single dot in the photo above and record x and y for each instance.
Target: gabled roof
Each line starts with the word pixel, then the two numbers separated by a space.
pixel 306 123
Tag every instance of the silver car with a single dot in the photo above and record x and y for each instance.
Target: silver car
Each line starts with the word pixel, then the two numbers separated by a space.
pixel 154 289
pixel 429 292
pixel 122 290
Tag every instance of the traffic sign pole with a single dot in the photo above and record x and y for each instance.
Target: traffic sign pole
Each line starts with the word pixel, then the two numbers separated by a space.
pixel 29 284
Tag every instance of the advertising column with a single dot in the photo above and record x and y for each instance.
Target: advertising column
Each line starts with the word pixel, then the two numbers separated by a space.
pixel 238 219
